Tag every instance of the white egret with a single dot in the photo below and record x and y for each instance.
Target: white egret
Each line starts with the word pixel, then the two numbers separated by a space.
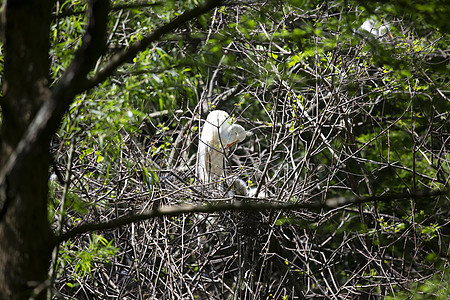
pixel 219 134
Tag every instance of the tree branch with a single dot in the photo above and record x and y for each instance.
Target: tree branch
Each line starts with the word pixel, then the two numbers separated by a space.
pixel 50 114
pixel 251 205
pixel 135 48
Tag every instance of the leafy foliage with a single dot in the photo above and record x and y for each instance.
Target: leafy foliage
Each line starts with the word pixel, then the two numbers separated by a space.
pixel 81 261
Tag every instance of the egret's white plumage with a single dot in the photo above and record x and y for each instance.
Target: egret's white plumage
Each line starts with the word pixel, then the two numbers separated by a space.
pixel 218 134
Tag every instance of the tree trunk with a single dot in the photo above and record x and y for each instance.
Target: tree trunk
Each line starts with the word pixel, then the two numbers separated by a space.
pixel 25 234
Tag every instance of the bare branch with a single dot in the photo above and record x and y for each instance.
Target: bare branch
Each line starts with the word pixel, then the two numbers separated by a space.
pixel 175 210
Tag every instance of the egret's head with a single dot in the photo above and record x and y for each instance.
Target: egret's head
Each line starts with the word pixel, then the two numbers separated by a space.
pixel 236 134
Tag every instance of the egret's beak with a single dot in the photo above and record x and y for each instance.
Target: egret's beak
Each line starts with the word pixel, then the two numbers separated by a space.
pixel 232 144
